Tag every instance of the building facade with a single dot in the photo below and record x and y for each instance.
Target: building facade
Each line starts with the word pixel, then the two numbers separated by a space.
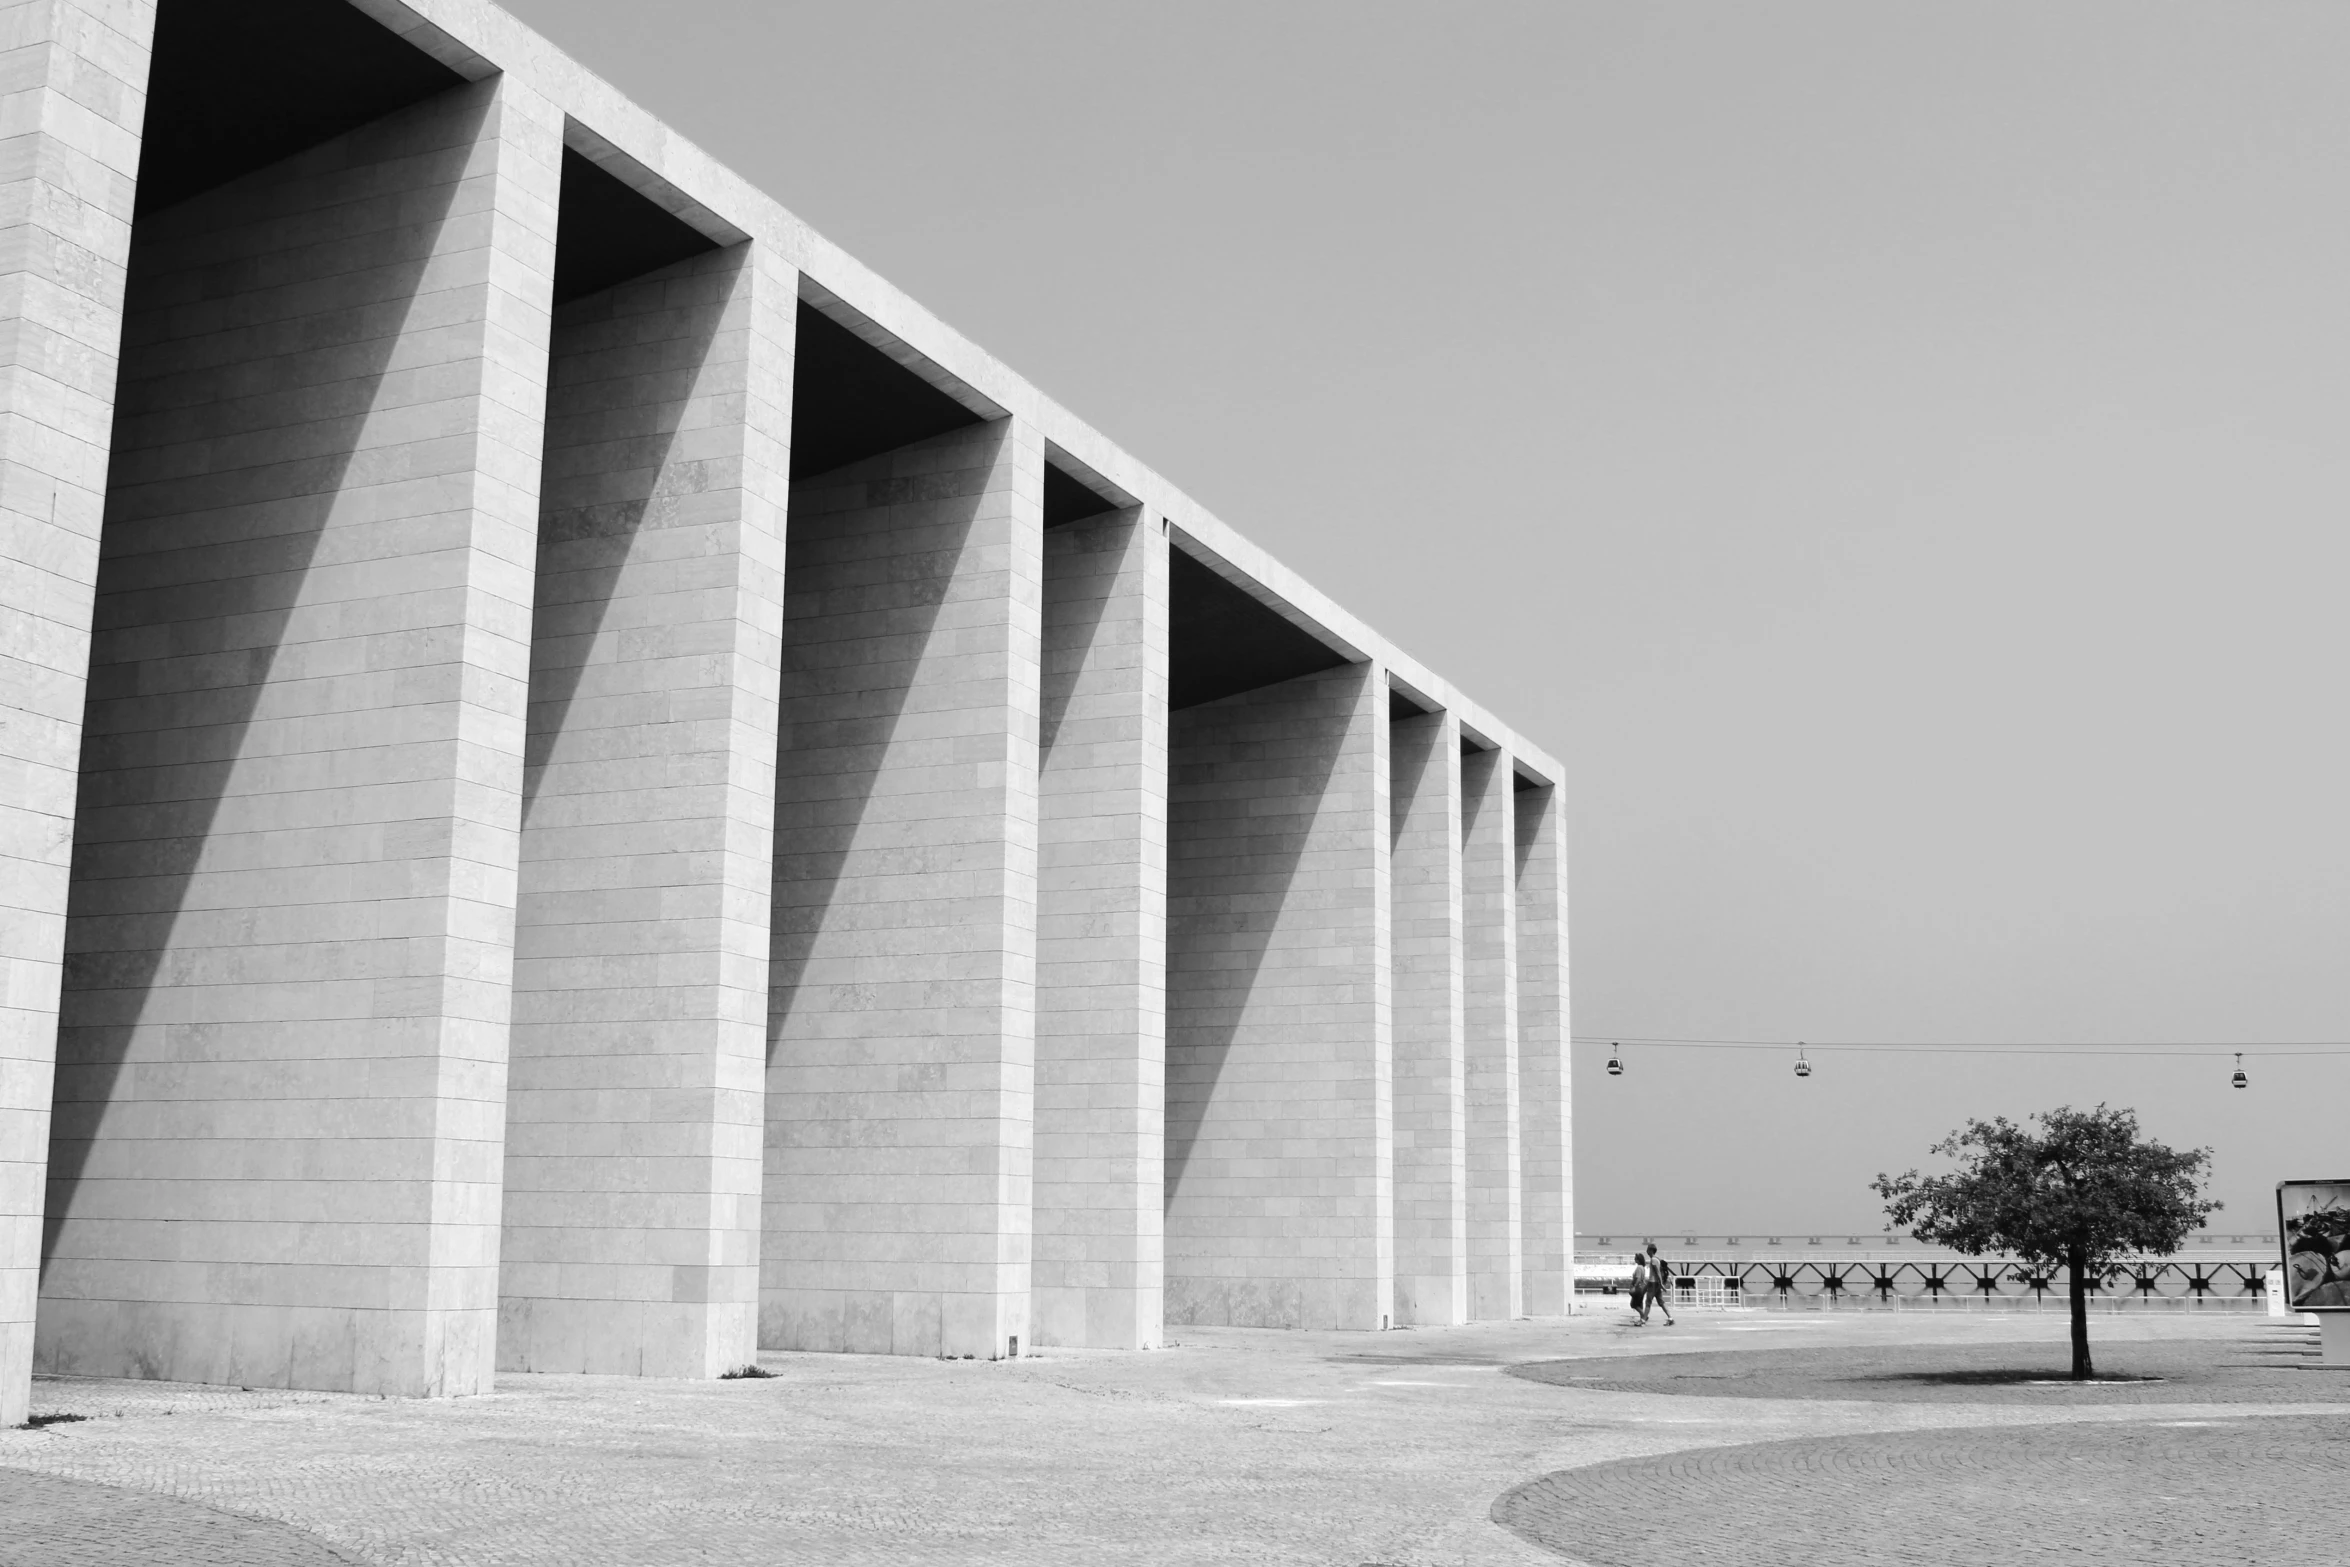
pixel 591 789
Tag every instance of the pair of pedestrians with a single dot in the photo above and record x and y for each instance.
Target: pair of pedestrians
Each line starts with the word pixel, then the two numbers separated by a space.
pixel 1652 1285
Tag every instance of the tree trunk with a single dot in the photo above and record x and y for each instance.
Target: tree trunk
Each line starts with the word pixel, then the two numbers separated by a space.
pixel 2077 1264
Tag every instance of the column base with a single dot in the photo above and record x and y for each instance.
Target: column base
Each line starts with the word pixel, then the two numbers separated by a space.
pixel 891 1322
pixel 16 1373
pixel 1550 1294
pixel 1431 1301
pixel 318 1349
pixel 1098 1318
pixel 627 1338
pixel 1278 1303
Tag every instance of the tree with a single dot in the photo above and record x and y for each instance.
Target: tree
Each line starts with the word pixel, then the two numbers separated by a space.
pixel 2082 1192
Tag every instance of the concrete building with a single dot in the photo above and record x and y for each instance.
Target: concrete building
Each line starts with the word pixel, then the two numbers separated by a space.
pixel 588 788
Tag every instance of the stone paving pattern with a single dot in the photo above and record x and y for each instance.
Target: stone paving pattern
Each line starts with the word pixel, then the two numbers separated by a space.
pixel 1235 1445
pixel 2174 1491
pixel 2250 1370
pixel 81 1523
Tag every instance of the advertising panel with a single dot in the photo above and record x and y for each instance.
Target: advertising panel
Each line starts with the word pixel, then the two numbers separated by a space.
pixel 2314 1219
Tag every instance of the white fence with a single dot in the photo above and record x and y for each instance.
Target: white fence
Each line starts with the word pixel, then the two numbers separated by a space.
pixel 1707 1292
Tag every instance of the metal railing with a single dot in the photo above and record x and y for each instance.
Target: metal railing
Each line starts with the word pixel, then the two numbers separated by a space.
pixel 2145 1281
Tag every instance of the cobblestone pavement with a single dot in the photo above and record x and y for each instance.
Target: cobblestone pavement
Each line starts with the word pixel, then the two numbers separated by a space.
pixel 2165 1491
pixel 2254 1366
pixel 75 1522
pixel 1331 1450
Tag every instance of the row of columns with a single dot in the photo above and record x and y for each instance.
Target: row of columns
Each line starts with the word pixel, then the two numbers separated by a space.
pixel 1366 1101
pixel 547 891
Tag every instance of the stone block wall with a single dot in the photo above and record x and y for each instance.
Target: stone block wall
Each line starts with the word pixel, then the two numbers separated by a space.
pixel 1489 904
pixel 1101 1022
pixel 280 1092
pixel 1431 1174
pixel 901 1054
pixel 636 1089
pixel 1279 1051
pixel 1546 1149
pixel 73 77
pixel 496 873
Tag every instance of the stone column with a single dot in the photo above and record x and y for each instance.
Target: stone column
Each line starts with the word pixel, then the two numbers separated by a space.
pixel 902 1034
pixel 1280 1122
pixel 1546 1147
pixel 76 81
pixel 1431 1181
pixel 1101 965
pixel 635 1096
pixel 1490 920
pixel 280 1104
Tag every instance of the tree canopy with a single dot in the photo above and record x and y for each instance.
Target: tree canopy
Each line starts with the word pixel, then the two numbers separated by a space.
pixel 2081 1192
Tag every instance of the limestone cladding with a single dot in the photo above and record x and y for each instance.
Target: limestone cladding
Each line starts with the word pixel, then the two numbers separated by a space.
pixel 637 1080
pixel 1546 1150
pixel 1431 1179
pixel 1490 920
pixel 1101 1036
pixel 901 1056
pixel 279 1112
pixel 463 903
pixel 73 81
pixel 1279 1071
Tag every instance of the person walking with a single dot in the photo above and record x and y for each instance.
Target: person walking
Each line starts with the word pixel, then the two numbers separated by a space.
pixel 1639 1290
pixel 1660 1285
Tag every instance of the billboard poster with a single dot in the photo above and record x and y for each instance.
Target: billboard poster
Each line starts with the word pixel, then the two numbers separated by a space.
pixel 2314 1219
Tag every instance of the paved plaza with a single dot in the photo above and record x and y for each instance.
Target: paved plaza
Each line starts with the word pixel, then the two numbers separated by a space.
pixel 1449 1446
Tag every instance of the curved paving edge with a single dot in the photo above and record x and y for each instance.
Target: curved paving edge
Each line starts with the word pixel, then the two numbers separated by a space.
pixel 47 1520
pixel 2239 1486
pixel 2248 1369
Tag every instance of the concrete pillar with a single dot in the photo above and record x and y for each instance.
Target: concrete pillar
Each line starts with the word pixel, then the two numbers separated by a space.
pixel 1279 1071
pixel 1431 1180
pixel 634 1100
pixel 75 85
pixel 902 1034
pixel 1490 921
pixel 1546 1150
pixel 281 1082
pixel 1101 962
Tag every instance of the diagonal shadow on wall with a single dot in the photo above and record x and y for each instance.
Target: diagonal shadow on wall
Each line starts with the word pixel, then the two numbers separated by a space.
pixel 843 699
pixel 1227 890
pixel 587 539
pixel 1073 620
pixel 185 642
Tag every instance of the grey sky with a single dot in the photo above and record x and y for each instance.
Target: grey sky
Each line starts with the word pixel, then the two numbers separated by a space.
pixel 1894 453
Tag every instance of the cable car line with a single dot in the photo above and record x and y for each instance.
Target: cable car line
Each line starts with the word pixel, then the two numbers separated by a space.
pixel 2181 1050
pixel 2108 1050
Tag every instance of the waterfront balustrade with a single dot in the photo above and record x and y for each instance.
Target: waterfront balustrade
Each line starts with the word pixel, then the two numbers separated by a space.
pixel 2233 1279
